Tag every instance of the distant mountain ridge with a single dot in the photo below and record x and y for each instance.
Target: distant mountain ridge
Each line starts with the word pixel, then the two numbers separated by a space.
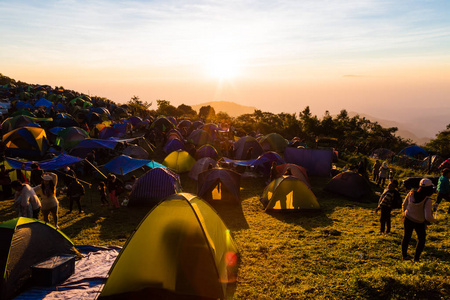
pixel 404 130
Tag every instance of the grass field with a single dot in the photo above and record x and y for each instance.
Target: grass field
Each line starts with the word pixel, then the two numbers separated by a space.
pixel 335 253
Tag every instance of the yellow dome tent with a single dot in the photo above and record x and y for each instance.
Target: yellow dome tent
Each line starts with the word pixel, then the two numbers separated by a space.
pixel 182 248
pixel 288 193
pixel 179 161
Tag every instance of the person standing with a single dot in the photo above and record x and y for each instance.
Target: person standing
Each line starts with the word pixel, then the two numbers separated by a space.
pixel 385 205
pixel 115 187
pixel 417 212
pixel 102 190
pixel 26 200
pixel 443 189
pixel 75 191
pixel 47 192
pixel 69 176
pixel 36 175
pixel 383 174
pixel 5 181
pixel 376 170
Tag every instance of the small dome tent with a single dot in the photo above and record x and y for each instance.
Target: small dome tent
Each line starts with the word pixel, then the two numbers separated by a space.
pixel 29 142
pixel 288 193
pixel 181 250
pixel 201 165
pixel 273 142
pixel 230 184
pixel 25 242
pixel 179 161
pixel 242 146
pixel 348 184
pixel 154 186
pixel 296 170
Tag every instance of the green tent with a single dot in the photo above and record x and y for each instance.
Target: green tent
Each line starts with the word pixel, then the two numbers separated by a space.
pixel 71 136
pixel 288 193
pixel 23 243
pixel 181 250
pixel 23 112
pixel 273 142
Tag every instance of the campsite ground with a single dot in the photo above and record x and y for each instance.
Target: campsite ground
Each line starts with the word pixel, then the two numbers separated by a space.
pixel 334 253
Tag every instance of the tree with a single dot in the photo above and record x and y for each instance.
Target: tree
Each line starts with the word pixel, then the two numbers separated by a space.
pixel 441 143
pixel 184 110
pixel 223 118
pixel 207 113
pixel 165 108
pixel 138 107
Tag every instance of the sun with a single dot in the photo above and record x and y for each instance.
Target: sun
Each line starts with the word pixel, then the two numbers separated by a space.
pixel 222 67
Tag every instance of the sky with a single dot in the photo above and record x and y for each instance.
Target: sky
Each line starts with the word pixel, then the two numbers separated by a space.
pixel 389 59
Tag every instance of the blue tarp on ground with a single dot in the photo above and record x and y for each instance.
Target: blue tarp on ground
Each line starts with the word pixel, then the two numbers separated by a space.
pixel 56 163
pixel 123 164
pixel 87 281
pixel 316 162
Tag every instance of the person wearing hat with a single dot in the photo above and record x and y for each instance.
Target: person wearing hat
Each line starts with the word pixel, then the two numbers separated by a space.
pixel 47 192
pixel 417 212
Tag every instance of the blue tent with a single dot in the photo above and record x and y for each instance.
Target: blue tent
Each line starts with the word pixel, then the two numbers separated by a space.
pixel 413 151
pixel 22 104
pixel 123 164
pixel 153 186
pixel 87 145
pixel 60 106
pixel 56 163
pixel 173 145
pixel 43 102
pixel 57 129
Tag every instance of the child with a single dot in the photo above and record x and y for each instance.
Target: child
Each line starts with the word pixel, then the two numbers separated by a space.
pixel 385 205
pixel 443 189
pixel 102 190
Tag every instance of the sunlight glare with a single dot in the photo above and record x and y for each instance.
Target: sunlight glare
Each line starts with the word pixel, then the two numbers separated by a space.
pixel 222 67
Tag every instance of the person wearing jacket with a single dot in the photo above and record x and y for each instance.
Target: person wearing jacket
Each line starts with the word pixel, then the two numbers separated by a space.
pixel 385 204
pixel 383 174
pixel 443 189
pixel 417 212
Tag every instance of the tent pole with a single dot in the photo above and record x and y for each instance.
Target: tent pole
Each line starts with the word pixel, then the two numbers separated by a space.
pixel 95 168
